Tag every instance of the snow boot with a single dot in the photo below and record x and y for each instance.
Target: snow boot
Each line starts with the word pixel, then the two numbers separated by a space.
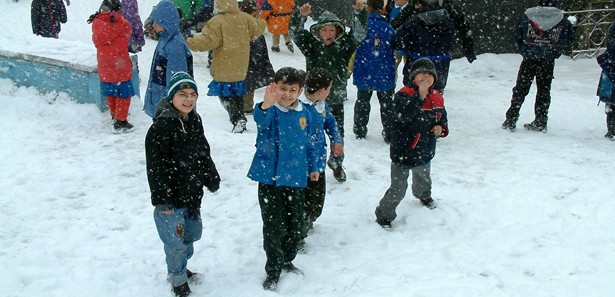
pixel 338 171
pixel 240 126
pixel 536 126
pixel 290 268
pixel 385 224
pixel 271 283
pixel 610 124
pixel 275 49
pixel 182 290
pixel 291 49
pixel 428 202
pixel 122 126
pixel 509 125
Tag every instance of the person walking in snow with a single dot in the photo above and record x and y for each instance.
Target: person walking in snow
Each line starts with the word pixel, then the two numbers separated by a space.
pixel 542 33
pixel 318 84
pixel 420 119
pixel 285 156
pixel 179 165
pixel 327 45
pixel 277 13
pixel 607 63
pixel 47 17
pixel 172 54
pixel 374 70
pixel 110 34
pixel 228 36
pixel 130 11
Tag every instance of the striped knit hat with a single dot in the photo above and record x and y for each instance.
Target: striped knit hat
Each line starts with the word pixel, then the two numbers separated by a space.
pixel 180 80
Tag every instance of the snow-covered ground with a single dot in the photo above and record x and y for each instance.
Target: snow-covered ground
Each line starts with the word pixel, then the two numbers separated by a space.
pixel 520 214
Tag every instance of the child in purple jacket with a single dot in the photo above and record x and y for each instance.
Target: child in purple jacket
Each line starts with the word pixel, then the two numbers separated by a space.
pixel 130 11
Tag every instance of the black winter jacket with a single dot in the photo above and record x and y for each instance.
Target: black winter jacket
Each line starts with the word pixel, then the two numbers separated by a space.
pixel 413 143
pixel 178 159
pixel 47 16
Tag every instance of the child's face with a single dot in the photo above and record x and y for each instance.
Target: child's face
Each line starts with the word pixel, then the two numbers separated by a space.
pixel 401 2
pixel 324 92
pixel 424 79
pixel 184 100
pixel 328 33
pixel 157 27
pixel 287 93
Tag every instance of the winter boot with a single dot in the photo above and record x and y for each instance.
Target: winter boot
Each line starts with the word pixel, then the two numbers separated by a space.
pixel 122 126
pixel 338 171
pixel 182 290
pixel 509 125
pixel 385 224
pixel 610 124
pixel 291 49
pixel 271 283
pixel 290 268
pixel 428 202
pixel 240 126
pixel 536 126
pixel 275 49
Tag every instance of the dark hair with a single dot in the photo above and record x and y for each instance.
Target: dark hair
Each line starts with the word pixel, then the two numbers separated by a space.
pixel 247 6
pixel 107 5
pixel 376 5
pixel 317 79
pixel 289 76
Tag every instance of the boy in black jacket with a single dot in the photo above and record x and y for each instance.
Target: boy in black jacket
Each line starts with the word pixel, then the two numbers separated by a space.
pixel 179 165
pixel 420 118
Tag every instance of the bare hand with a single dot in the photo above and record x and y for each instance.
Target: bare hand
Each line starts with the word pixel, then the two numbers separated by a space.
pixel 314 176
pixel 306 9
pixel 338 149
pixel 437 130
pixel 270 98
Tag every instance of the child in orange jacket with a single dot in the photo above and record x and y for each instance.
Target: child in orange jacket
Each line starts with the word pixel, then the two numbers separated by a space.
pixel 277 13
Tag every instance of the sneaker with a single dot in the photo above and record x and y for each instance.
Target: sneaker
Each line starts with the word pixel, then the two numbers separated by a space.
pixel 509 125
pixel 275 49
pixel 291 49
pixel 428 202
pixel 182 290
pixel 338 171
pixel 534 126
pixel 240 126
pixel 386 224
pixel 271 283
pixel 290 268
pixel 122 126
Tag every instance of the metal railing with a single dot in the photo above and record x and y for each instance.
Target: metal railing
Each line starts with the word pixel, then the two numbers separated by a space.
pixel 592 30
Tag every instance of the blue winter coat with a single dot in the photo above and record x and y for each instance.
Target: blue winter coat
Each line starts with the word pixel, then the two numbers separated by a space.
pixel 285 153
pixel 171 55
pixel 324 124
pixel 429 34
pixel 412 142
pixel 374 64
pixel 543 33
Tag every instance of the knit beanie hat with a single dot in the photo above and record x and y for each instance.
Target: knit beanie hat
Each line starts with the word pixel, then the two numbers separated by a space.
pixel 422 65
pixel 111 5
pixel 179 81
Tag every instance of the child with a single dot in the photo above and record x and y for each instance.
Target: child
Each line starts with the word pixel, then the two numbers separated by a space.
pixel 111 33
pixel 542 33
pixel 607 63
pixel 277 13
pixel 374 70
pixel 172 54
pixel 228 36
pixel 130 11
pixel 284 158
pixel 430 33
pixel 317 88
pixel 420 118
pixel 327 45
pixel 179 165
pixel 47 17
pixel 260 71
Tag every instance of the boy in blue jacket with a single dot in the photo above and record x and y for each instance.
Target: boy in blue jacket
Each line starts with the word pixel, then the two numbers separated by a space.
pixel 420 118
pixel 374 70
pixel 172 54
pixel 318 84
pixel 542 33
pixel 284 158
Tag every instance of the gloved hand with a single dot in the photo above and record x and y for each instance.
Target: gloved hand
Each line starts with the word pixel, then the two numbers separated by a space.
pixel 214 187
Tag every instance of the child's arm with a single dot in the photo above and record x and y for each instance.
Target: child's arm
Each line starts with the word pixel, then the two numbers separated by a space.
pixel 311 148
pixel 296 29
pixel 332 130
pixel 159 163
pixel 208 39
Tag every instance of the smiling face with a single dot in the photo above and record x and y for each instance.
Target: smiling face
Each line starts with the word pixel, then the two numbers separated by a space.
pixel 424 78
pixel 288 93
pixel 184 101
pixel 328 33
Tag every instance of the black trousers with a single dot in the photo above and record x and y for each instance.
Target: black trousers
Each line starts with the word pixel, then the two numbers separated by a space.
pixel 363 107
pixel 542 70
pixel 314 201
pixel 234 106
pixel 282 213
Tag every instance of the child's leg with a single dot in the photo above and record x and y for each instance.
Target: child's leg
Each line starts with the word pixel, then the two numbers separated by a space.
pixel 111 103
pixel 122 105
pixel 385 99
pixel 273 213
pixel 234 107
pixel 609 109
pixel 338 113
pixel 276 41
pixel 294 199
pixel 395 194
pixel 442 67
pixel 544 77
pixel 287 38
pixel 361 113
pixel 248 102
pixel 421 181
pixel 289 43
pixel 525 76
pixel 172 231
pixel 314 201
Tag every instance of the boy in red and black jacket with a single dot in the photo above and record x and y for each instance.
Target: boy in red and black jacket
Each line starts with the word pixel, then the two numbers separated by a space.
pixel 420 118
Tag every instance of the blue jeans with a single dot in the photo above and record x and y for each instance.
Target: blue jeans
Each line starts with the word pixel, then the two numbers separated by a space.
pixel 178 231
